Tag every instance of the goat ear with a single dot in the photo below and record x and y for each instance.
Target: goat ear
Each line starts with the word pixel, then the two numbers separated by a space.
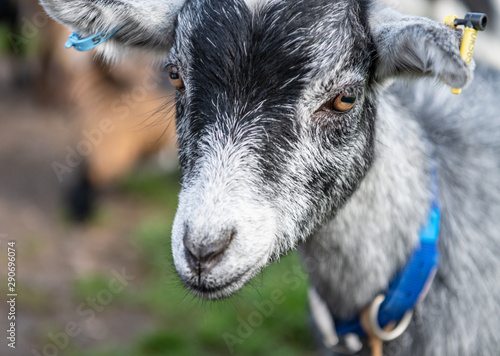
pixel 144 24
pixel 416 46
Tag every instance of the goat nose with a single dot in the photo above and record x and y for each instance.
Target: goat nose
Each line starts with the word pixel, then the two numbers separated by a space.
pixel 204 255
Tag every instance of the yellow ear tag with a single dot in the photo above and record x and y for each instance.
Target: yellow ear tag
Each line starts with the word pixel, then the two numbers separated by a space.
pixel 473 22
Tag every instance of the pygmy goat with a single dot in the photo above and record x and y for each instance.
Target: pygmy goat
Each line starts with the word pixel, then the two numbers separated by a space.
pixel 293 133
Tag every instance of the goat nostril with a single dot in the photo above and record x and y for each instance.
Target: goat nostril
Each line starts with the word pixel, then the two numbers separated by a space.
pixel 216 247
pixel 191 258
pixel 203 255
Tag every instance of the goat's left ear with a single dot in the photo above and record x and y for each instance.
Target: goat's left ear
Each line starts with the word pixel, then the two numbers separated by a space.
pixel 416 46
pixel 146 25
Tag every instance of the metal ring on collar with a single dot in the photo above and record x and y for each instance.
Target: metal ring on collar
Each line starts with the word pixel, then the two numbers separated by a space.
pixel 377 330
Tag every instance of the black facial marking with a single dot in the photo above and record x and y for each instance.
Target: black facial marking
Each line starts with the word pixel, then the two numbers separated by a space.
pixel 245 74
pixel 239 64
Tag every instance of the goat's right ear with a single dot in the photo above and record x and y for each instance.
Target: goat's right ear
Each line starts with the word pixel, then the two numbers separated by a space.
pixel 143 24
pixel 416 46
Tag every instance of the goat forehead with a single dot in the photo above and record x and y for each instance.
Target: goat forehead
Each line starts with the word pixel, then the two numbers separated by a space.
pixel 225 42
pixel 249 72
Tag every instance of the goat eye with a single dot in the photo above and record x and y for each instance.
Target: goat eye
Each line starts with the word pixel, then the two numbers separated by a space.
pixel 175 77
pixel 341 103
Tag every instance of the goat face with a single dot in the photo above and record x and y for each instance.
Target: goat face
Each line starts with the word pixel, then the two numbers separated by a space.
pixel 275 112
pixel 274 129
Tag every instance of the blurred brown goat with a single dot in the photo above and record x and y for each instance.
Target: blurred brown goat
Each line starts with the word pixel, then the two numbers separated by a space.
pixel 119 109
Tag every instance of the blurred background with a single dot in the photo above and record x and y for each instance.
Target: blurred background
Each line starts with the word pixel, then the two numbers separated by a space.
pixel 88 191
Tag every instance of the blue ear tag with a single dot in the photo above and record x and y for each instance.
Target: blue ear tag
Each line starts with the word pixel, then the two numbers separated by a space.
pixel 88 43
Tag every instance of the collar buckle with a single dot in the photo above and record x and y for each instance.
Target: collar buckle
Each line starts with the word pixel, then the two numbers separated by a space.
pixel 373 325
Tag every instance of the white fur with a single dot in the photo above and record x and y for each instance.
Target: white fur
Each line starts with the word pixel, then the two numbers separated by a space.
pixel 225 198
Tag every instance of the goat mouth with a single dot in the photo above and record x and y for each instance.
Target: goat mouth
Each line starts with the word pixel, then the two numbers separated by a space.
pixel 207 288
pixel 216 292
pixel 213 292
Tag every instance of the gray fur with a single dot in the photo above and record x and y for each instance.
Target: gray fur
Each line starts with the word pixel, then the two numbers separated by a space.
pixel 263 161
pixel 463 305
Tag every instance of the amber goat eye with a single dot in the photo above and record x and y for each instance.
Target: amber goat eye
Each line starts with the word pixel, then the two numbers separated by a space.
pixel 175 77
pixel 341 103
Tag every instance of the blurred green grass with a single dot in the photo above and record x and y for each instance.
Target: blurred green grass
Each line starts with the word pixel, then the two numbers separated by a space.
pixel 13 41
pixel 4 42
pixel 186 325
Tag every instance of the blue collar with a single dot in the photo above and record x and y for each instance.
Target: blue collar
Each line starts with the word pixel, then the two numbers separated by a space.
pixel 88 43
pixel 412 283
